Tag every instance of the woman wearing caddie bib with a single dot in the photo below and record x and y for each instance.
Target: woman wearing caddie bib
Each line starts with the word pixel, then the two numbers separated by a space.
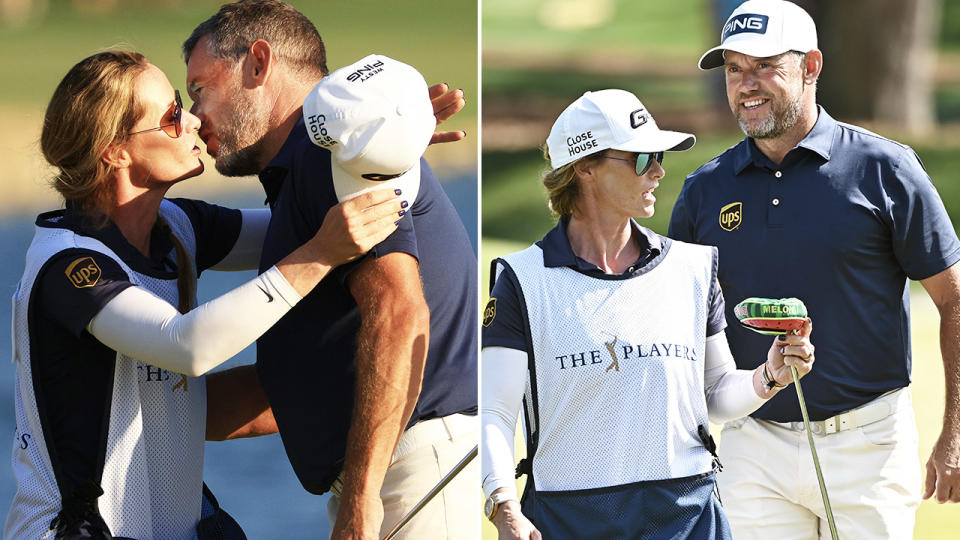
pixel 109 349
pixel 613 338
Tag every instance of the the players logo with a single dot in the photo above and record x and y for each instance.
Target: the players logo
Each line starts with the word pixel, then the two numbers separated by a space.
pixel 83 272
pixel 731 216
pixel 490 312
pixel 615 364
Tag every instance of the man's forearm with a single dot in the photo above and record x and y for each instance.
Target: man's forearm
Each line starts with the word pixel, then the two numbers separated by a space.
pixel 391 353
pixel 237 406
pixel 950 350
pixel 390 358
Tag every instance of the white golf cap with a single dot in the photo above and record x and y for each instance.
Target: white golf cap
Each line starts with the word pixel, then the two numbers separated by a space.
pixel 376 119
pixel 609 119
pixel 763 28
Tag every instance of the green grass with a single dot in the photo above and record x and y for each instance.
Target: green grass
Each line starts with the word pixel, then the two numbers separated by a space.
pixel 437 37
pixel 510 26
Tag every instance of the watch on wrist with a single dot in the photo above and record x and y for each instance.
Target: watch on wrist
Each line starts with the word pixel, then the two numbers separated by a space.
pixel 494 501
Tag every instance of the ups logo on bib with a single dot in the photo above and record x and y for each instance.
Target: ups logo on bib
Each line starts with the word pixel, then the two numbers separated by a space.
pixel 731 215
pixel 490 312
pixel 83 272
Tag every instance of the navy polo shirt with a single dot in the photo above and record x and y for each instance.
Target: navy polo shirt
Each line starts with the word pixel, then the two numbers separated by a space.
pixel 841 224
pixel 507 329
pixel 306 362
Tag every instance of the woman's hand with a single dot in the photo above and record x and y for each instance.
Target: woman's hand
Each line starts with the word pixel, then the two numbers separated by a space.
pixel 353 227
pixel 512 524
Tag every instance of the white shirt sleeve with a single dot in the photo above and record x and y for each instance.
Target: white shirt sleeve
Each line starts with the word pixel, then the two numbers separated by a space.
pixel 504 376
pixel 245 254
pixel 729 391
pixel 141 325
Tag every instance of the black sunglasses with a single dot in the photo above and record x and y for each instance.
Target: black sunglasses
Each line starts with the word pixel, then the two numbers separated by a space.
pixel 174 129
pixel 643 161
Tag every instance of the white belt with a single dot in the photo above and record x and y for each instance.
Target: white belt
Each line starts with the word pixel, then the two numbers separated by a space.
pixel 876 410
pixel 421 434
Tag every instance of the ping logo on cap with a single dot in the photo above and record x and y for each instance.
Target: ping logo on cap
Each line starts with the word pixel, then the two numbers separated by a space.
pixel 366 71
pixel 83 272
pixel 731 216
pixel 638 118
pixel 745 22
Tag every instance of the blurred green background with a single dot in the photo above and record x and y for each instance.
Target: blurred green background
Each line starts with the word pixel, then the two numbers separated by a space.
pixel 540 55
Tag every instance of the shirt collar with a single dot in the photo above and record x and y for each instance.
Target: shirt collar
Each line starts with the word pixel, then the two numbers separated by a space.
pixel 272 176
pixel 819 140
pixel 558 252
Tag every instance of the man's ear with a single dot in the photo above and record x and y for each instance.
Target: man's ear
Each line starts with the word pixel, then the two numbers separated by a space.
pixel 116 155
pixel 812 65
pixel 257 64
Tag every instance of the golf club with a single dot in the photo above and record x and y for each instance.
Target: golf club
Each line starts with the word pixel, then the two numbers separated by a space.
pixel 433 492
pixel 783 316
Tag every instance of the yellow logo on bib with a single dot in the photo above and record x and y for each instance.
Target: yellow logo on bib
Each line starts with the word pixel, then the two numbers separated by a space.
pixel 489 312
pixel 731 216
pixel 83 272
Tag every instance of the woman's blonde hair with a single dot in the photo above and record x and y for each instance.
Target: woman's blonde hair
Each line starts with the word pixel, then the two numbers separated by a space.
pixel 94 105
pixel 563 186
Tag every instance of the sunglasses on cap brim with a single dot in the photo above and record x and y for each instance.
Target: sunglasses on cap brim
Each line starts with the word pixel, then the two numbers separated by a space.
pixel 643 162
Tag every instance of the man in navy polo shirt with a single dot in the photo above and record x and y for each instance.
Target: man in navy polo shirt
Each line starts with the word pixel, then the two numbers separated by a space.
pixel 372 379
pixel 841 218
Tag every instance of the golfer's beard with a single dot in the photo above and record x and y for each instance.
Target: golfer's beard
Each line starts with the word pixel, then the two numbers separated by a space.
pixel 239 151
pixel 781 119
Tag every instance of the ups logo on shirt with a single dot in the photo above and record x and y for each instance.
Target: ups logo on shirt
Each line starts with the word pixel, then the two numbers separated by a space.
pixel 731 216
pixel 83 272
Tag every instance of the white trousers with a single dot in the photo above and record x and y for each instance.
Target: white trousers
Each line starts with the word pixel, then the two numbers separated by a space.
pixel 769 485
pixel 426 452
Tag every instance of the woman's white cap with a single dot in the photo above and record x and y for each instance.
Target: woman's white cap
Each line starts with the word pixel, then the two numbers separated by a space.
pixel 609 119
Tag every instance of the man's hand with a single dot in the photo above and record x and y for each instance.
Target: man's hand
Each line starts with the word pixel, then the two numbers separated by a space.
pixel 794 350
pixel 445 105
pixel 943 469
pixel 512 524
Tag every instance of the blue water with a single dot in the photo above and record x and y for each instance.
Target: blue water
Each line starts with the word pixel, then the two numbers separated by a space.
pixel 251 478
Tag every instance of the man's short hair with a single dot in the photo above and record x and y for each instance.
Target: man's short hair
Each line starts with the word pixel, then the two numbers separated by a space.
pixel 295 40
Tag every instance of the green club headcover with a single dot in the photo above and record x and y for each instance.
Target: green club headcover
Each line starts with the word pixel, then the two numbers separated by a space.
pixel 771 316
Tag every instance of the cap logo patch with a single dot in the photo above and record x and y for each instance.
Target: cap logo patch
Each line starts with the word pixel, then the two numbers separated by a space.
pixel 731 216
pixel 490 312
pixel 366 71
pixel 316 126
pixel 638 118
pixel 83 272
pixel 745 22
pixel 581 143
